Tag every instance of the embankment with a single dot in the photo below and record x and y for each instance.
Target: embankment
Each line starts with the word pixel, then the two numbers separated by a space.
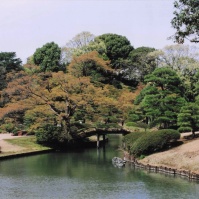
pixel 182 160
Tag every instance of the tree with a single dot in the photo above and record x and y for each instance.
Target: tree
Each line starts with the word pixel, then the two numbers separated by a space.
pixel 78 45
pixel 125 104
pixel 166 79
pixel 183 59
pixel 81 40
pixel 90 64
pixel 196 85
pixel 117 46
pixel 2 77
pixel 188 118
pixel 160 101
pixel 48 91
pixel 8 63
pixel 63 97
pixel 142 63
pixel 48 57
pixel 186 21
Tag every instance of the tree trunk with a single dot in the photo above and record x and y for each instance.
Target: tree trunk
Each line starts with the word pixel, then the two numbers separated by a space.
pixel 65 134
pixel 193 133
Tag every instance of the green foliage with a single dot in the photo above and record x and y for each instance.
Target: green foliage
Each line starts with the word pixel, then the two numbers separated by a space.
pixel 148 90
pixel 108 125
pixel 2 78
pixel 117 46
pixel 9 61
pixel 142 63
pixel 28 143
pixel 131 138
pixel 8 127
pixel 48 134
pixel 90 64
pixel 184 129
pixel 184 60
pixel 116 84
pixel 143 125
pixel 186 20
pixel 166 79
pixel 35 118
pixel 160 101
pixel 133 117
pixel 48 57
pixel 137 54
pixel 142 157
pixel 196 84
pixel 188 118
pixel 152 142
pixel 130 124
pixel 78 126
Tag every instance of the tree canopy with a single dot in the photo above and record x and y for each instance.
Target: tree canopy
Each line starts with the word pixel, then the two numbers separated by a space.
pixel 90 64
pixel 98 89
pixel 141 63
pixel 117 46
pixel 186 20
pixel 184 60
pixel 78 45
pixel 48 57
pixel 188 118
pixel 160 101
pixel 9 61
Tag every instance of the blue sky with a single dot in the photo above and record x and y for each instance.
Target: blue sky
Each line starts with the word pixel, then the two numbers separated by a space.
pixel 28 24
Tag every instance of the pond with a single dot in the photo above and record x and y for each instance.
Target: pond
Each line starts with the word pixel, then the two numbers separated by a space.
pixel 87 174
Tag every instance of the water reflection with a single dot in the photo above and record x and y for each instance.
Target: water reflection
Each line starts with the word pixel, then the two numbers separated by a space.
pixel 87 174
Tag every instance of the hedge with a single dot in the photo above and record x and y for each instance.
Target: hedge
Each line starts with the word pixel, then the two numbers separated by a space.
pixel 130 139
pixel 151 142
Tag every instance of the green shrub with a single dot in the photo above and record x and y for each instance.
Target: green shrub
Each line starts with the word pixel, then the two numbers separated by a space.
pixel 9 127
pixel 131 138
pixel 184 129
pixel 153 141
pixel 48 134
pixel 15 131
pixel 130 124
pixel 79 125
pixel 142 157
pixel 108 125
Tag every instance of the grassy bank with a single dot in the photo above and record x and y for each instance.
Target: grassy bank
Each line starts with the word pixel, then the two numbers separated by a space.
pixel 28 144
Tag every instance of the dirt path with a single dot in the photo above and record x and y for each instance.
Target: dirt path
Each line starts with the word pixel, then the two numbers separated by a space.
pixel 185 157
pixel 7 147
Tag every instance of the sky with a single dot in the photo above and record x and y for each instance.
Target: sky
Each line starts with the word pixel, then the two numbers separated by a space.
pixel 26 25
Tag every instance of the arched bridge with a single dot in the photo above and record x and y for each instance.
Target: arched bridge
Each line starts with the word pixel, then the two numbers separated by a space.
pixel 102 131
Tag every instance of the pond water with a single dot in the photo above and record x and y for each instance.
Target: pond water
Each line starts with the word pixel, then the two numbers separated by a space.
pixel 87 174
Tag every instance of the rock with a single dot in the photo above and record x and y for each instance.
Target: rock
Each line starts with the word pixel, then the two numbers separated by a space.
pixel 118 162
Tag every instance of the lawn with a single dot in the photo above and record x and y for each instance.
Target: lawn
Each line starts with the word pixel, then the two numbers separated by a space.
pixel 28 142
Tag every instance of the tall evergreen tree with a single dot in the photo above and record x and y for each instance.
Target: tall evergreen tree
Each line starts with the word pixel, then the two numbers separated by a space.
pixel 188 118
pixel 160 102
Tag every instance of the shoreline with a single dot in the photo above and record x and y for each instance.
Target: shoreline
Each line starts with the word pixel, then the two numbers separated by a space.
pixel 182 160
pixel 162 169
pixel 5 156
pixel 9 150
pixel 14 150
